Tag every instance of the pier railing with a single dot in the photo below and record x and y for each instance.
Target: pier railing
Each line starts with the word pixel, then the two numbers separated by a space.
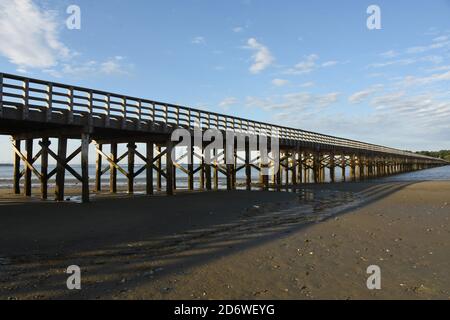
pixel 50 97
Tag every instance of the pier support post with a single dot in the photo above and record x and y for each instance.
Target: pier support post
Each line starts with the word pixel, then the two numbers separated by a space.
pixel 352 168
pixel 316 167
pixel 248 168
pixel 332 168
pixel 131 156
pixel 60 170
pixel 159 167
pixel 16 173
pixel 169 168
pixel 113 169
pixel 44 168
pixel 294 167
pixel 300 167
pixel 190 159
pixel 216 170
pixel 98 169
pixel 29 150
pixel 85 141
pixel 207 166
pixel 149 168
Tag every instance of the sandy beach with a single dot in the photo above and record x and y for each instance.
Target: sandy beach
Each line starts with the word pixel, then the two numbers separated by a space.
pixel 315 243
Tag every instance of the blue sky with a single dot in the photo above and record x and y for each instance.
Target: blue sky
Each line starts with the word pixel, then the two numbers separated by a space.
pixel 307 64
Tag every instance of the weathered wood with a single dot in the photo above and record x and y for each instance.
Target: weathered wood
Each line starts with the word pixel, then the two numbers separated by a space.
pixel 98 169
pixel 85 141
pixel 1 94
pixel 286 168
pixel 159 169
pixel 332 168
pixel 207 166
pixel 28 170
pixel 149 168
pixel 26 101
pixel 294 168
pixel 190 155
pixel 44 168
pixel 16 182
pixel 131 157
pixel 169 168
pixel 60 172
pixel 248 168
pixel 113 169
pixel 216 170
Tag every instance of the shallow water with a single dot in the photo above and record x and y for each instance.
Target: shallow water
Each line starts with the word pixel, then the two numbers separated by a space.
pixel 434 174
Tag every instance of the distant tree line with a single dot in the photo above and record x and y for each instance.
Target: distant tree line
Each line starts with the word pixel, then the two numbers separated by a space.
pixel 443 154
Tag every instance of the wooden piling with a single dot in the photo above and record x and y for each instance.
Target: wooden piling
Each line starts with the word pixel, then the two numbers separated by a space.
pixel 131 158
pixel 169 169
pixel 332 168
pixel 16 178
pixel 60 169
pixel 149 168
pixel 28 172
pixel 248 168
pixel 190 156
pixel 113 169
pixel 159 167
pixel 44 168
pixel 98 169
pixel 85 141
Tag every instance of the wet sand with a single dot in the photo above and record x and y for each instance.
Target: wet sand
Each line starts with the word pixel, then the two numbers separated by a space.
pixel 313 244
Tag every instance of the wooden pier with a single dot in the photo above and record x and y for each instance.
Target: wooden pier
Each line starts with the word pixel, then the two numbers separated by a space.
pixel 35 110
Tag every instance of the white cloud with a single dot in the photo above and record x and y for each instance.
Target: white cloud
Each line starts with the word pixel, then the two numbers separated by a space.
pixel 307 84
pixel 300 101
pixel 29 35
pixel 228 102
pixel 389 54
pixel 111 66
pixel 413 80
pixel 262 57
pixel 199 40
pixel 238 29
pixel 305 66
pixel 329 63
pixel 441 39
pixel 280 82
pixel 360 96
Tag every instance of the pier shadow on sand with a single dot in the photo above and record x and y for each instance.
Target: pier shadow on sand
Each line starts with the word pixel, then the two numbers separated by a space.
pixel 122 244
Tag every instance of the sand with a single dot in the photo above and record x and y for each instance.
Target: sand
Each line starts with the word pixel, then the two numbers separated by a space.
pixel 315 243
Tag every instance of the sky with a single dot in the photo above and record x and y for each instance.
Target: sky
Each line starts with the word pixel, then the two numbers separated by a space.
pixel 312 65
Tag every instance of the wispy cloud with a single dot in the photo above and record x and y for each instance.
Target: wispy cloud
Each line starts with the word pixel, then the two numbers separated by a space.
pixel 329 63
pixel 309 64
pixel 29 35
pixel 299 101
pixel 305 66
pixel 262 57
pixel 198 40
pixel 360 96
pixel 228 102
pixel 111 66
pixel 280 82
pixel 389 54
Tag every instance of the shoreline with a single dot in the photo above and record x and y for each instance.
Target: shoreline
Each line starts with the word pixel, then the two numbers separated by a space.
pixel 234 245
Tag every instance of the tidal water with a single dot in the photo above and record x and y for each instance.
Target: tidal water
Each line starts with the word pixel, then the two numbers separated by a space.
pixel 6 173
